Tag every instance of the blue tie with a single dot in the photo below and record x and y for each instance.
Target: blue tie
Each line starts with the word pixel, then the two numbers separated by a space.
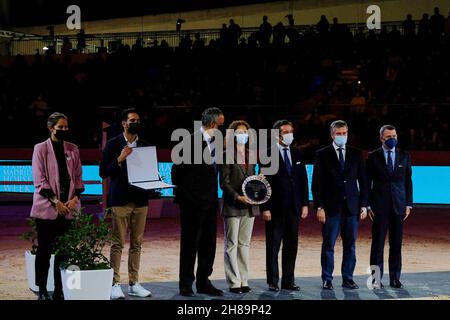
pixel 390 165
pixel 287 161
pixel 341 159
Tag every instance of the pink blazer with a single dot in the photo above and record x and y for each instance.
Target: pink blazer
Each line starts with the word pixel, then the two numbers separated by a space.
pixel 46 176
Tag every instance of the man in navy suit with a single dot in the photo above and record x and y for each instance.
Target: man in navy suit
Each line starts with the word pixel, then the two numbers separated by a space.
pixel 340 196
pixel 289 202
pixel 390 200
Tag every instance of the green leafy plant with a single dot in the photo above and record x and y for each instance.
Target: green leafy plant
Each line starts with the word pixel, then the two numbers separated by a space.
pixel 83 243
pixel 31 235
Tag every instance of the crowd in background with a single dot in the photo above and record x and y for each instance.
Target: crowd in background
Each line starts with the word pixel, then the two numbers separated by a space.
pixel 397 75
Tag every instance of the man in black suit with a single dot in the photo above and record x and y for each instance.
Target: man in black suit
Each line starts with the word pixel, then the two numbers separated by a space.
pixel 196 194
pixel 129 204
pixel 289 202
pixel 390 200
pixel 340 196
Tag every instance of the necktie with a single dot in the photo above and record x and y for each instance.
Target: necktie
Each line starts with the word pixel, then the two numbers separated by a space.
pixel 390 165
pixel 213 153
pixel 287 161
pixel 341 158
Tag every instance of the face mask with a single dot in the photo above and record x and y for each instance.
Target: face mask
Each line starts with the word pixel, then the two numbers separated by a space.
pixel 288 138
pixel 390 143
pixel 241 138
pixel 134 127
pixel 61 135
pixel 340 141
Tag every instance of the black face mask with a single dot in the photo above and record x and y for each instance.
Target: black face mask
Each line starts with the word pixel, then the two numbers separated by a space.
pixel 61 135
pixel 134 127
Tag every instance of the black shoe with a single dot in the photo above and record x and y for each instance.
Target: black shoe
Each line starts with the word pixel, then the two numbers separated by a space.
pixel 349 284
pixel 186 292
pixel 274 288
pixel 292 287
pixel 246 289
pixel 327 285
pixel 44 296
pixel 396 284
pixel 236 290
pixel 57 296
pixel 210 290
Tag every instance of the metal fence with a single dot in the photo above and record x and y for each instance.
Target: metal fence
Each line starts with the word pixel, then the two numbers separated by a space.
pixel 110 41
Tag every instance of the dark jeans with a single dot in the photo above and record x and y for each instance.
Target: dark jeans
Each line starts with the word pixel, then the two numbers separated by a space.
pixel 198 238
pixel 347 226
pixel 282 228
pixel 47 232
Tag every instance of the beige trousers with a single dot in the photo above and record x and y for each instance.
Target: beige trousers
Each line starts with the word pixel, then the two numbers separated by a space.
pixel 238 232
pixel 124 218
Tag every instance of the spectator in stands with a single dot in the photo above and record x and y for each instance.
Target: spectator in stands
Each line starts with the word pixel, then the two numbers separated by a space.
pixel 409 27
pixel 322 26
pixel 437 23
pixel 424 26
pixel 447 25
pixel 66 46
pixel 265 32
pixel 81 38
pixel 291 31
pixel 279 35
pixel 235 32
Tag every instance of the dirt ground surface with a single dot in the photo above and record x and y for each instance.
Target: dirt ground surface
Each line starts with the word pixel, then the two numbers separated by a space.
pixel 426 248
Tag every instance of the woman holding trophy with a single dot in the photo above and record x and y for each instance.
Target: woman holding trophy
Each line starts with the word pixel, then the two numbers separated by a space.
pixel 238 210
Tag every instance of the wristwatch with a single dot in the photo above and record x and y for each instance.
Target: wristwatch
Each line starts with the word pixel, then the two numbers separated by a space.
pixel 54 201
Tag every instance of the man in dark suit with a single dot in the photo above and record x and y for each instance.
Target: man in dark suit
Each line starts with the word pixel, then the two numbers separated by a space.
pixel 390 201
pixel 196 194
pixel 289 202
pixel 129 204
pixel 340 196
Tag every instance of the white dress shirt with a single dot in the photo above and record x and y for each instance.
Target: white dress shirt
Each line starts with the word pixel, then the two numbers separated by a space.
pixel 281 148
pixel 336 147
pixel 131 144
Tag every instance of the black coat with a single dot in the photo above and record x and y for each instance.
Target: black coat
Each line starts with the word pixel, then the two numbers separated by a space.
pixel 333 188
pixel 120 191
pixel 196 184
pixel 288 191
pixel 386 190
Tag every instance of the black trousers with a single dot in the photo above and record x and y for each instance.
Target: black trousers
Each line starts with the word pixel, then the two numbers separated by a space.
pixel 47 232
pixel 383 223
pixel 198 239
pixel 282 228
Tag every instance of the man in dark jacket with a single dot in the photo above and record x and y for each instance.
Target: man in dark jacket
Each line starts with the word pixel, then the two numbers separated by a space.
pixel 196 194
pixel 289 202
pixel 129 204
pixel 390 200
pixel 339 189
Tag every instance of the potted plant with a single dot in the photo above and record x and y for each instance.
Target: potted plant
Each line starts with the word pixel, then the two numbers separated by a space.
pixel 30 258
pixel 86 273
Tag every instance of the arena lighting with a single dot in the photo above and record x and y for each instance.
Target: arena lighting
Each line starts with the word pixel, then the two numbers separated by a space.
pixel 45 48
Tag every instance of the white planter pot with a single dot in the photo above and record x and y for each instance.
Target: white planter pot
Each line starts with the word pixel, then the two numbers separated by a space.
pixel 30 266
pixel 87 284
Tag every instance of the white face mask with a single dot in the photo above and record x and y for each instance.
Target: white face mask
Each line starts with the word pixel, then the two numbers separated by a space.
pixel 288 138
pixel 241 138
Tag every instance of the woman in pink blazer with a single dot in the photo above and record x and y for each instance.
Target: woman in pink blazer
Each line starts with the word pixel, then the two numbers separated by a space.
pixel 57 181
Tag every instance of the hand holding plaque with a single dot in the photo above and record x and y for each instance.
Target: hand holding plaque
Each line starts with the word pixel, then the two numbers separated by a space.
pixel 257 189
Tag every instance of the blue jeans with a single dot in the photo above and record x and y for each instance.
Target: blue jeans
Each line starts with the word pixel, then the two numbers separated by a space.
pixel 348 227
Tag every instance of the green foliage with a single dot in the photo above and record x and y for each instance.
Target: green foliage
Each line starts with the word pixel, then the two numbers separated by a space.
pixel 83 243
pixel 31 235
